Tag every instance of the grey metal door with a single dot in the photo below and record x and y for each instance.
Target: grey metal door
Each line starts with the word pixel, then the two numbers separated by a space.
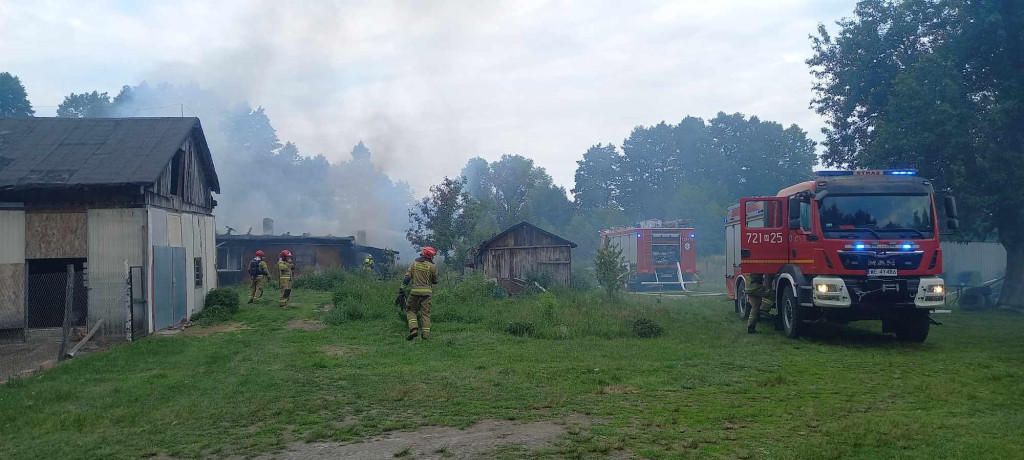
pixel 169 301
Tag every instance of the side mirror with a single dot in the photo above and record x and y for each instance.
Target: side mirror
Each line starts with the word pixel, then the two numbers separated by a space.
pixel 794 210
pixel 953 224
pixel 950 203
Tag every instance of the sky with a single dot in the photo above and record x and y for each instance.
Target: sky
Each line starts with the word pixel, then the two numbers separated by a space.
pixel 428 85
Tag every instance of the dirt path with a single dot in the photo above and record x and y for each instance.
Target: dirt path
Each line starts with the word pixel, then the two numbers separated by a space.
pixel 433 442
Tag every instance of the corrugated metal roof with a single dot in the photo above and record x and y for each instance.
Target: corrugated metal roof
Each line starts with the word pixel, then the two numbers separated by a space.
pixel 65 152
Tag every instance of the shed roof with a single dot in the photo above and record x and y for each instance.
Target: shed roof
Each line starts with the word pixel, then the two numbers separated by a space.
pixel 287 239
pixel 68 152
pixel 515 227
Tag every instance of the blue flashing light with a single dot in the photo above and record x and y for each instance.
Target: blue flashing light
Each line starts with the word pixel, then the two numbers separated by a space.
pixel 859 246
pixel 902 172
pixel 639 235
pixel 834 173
pixel 907 246
pixel 693 235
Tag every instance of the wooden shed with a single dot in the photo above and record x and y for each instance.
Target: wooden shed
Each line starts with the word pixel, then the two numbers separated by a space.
pixel 127 202
pixel 524 249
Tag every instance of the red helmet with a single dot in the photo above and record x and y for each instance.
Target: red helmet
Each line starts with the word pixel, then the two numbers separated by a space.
pixel 286 253
pixel 428 252
pixel 259 253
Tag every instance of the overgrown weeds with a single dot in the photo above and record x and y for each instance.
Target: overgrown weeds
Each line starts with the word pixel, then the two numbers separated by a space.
pixel 218 306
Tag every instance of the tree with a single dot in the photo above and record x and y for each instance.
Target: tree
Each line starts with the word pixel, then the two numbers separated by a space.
pixel 440 219
pixel 597 176
pixel 935 85
pixel 86 105
pixel 13 98
pixel 610 267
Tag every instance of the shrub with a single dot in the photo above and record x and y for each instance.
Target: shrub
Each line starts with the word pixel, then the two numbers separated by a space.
pixel 520 329
pixel 324 280
pixel 226 298
pixel 646 328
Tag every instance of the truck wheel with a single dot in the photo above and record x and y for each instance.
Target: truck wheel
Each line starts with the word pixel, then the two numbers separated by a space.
pixel 790 313
pixel 741 306
pixel 913 327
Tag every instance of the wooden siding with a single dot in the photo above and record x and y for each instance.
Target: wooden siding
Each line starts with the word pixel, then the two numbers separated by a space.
pixel 194 188
pixel 12 296
pixel 55 235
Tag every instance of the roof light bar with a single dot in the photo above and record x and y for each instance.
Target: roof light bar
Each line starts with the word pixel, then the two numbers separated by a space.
pixel 869 172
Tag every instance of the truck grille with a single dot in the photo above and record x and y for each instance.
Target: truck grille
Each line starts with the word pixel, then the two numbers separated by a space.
pixel 861 260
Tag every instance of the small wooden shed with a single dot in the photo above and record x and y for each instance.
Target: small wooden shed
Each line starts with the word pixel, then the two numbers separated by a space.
pixel 524 249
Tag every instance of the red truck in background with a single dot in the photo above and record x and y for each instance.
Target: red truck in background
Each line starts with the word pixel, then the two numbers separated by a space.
pixel 847 246
pixel 660 254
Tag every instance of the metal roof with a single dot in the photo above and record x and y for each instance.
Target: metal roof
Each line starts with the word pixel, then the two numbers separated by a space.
pixel 69 152
pixel 286 239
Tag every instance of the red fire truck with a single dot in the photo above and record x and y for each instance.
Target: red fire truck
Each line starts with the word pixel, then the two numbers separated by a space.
pixel 847 246
pixel 660 254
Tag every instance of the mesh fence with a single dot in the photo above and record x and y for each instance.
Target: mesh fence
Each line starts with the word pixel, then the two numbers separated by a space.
pixel 54 321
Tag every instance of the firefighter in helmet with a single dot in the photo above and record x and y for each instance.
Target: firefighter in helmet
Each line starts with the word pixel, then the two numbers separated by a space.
pixel 368 262
pixel 760 296
pixel 285 268
pixel 422 274
pixel 258 272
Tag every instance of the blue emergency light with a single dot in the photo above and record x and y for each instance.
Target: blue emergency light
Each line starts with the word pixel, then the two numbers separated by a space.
pixel 693 235
pixel 859 246
pixel 868 172
pixel 905 172
pixel 907 246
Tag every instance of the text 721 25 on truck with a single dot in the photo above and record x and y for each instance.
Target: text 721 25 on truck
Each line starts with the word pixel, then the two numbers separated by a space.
pixel 847 246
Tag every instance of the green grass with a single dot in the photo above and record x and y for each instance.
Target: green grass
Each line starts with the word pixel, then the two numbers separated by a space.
pixel 702 389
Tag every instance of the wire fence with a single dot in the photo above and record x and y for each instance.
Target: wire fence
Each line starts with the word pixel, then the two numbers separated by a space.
pixel 54 321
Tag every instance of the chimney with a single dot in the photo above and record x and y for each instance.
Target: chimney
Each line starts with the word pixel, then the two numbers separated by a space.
pixel 361 237
pixel 268 226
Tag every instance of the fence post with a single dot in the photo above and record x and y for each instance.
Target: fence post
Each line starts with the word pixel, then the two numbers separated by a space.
pixel 68 301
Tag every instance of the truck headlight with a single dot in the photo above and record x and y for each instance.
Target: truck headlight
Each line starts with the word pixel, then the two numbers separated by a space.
pixel 937 289
pixel 824 287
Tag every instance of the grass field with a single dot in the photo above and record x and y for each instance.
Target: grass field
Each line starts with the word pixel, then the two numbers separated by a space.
pixel 702 389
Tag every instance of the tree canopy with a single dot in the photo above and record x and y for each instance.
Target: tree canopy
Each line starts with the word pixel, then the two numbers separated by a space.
pixel 934 85
pixel 13 98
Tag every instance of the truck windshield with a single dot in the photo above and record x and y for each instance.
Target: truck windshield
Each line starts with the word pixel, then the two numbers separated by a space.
pixel 877 216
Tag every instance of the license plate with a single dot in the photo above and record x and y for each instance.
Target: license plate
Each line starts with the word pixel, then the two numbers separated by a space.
pixel 882 272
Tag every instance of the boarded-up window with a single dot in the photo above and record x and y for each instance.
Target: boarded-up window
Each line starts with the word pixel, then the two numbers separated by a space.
pixel 198 266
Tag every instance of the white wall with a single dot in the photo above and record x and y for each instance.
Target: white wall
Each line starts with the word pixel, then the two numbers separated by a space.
pixel 114 235
pixel 12 269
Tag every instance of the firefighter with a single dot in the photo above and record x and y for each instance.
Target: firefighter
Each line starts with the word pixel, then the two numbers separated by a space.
pixel 760 297
pixel 285 267
pixel 258 272
pixel 368 263
pixel 423 275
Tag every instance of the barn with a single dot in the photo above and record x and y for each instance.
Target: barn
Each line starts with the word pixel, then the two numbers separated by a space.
pixel 128 203
pixel 521 250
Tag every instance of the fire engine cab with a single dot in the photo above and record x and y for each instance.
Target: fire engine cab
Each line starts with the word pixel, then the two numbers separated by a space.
pixel 847 246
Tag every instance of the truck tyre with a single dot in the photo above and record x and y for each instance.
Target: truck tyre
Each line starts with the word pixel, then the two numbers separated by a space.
pixel 790 311
pixel 740 305
pixel 913 327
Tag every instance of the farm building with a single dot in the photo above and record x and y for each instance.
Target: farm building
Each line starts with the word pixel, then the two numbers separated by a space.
pixel 127 202
pixel 521 250
pixel 234 251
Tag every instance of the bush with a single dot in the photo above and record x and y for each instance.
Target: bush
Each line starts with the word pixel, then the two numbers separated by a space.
pixel 646 328
pixel 520 329
pixel 226 298
pixel 324 280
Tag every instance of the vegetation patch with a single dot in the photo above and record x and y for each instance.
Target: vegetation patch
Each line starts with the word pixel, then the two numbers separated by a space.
pixel 303 324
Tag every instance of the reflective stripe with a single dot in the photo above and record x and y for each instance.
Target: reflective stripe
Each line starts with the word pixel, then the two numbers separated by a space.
pixel 421 290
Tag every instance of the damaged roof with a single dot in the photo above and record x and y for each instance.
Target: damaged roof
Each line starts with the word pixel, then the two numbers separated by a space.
pixel 69 152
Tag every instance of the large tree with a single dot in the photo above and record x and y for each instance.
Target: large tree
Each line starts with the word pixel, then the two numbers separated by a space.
pixel 597 176
pixel 936 85
pixel 13 98
pixel 86 105
pixel 439 219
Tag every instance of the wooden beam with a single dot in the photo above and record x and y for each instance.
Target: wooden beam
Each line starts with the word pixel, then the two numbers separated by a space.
pixel 69 291
pixel 88 336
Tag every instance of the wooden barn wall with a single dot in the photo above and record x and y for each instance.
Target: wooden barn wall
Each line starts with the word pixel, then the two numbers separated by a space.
pixel 307 256
pixel 114 235
pixel 55 235
pixel 517 262
pixel 12 269
pixel 196 195
pixel 12 296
